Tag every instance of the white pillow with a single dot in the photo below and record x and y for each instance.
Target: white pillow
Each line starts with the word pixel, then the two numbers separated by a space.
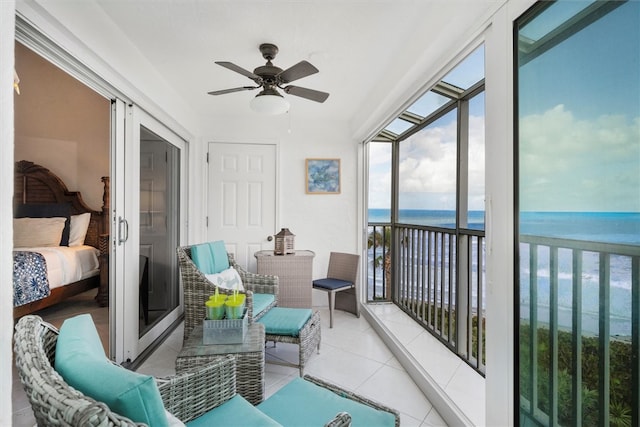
pixel 78 229
pixel 227 279
pixel 173 421
pixel 37 232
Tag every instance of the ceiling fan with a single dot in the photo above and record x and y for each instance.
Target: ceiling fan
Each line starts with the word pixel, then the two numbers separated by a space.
pixel 271 78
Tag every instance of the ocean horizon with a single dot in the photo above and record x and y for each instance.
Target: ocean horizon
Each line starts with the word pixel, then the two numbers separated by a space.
pixel 606 227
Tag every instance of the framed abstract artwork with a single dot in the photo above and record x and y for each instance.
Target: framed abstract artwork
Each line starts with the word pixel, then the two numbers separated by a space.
pixel 323 176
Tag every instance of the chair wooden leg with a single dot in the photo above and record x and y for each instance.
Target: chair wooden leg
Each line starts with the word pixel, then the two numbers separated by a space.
pixel 332 303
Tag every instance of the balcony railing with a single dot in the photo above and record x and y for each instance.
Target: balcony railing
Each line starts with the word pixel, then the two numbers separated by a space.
pixel 579 332
pixel 438 277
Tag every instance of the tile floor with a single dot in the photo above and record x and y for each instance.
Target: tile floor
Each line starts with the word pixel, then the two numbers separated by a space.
pixel 457 380
pixel 351 355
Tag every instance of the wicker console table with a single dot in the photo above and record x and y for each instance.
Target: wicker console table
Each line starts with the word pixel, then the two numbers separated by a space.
pixel 249 359
pixel 295 273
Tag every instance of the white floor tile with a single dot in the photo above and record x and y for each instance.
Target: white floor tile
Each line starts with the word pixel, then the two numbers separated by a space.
pixel 397 390
pixel 343 368
pixel 437 360
pixel 472 403
pixel 434 419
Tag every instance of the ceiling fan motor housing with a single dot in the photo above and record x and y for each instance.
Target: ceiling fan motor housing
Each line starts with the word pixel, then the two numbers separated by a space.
pixel 269 51
pixel 268 73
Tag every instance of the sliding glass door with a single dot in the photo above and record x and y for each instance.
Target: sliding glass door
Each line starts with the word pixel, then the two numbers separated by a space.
pixel 149 167
pixel 578 145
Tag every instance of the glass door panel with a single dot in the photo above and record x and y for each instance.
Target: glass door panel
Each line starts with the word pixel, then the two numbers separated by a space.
pixel 578 145
pixel 158 273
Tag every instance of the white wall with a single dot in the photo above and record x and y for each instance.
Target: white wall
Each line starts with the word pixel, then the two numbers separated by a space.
pixel 85 32
pixel 321 223
pixel 6 193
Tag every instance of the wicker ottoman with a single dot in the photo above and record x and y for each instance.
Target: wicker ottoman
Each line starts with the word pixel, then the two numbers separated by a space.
pixel 294 326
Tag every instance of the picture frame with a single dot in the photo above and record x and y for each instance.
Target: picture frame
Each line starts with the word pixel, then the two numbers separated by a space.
pixel 323 176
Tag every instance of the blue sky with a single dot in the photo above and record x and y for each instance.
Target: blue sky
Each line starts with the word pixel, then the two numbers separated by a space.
pixel 580 119
pixel 579 127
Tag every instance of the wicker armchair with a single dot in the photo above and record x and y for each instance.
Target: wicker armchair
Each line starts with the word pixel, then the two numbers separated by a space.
pixel 187 395
pixel 197 289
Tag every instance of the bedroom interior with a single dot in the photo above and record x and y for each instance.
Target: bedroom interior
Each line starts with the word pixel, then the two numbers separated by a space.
pixel 62 152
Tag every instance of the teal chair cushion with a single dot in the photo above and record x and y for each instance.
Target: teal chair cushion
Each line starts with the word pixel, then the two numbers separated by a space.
pixel 285 321
pixel 81 362
pixel 203 258
pixel 235 412
pixel 220 257
pixel 210 258
pixel 261 302
pixel 302 403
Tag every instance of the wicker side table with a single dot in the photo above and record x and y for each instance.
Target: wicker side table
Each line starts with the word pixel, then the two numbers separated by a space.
pixel 295 276
pixel 249 356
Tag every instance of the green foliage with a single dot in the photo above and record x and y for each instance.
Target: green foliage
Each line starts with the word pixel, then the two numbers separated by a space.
pixel 619 376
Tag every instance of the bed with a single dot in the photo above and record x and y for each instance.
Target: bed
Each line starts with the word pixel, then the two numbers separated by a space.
pixel 75 264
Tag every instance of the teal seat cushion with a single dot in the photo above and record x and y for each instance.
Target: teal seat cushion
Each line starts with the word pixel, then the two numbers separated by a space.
pixel 285 321
pixel 81 362
pixel 261 302
pixel 235 412
pixel 302 403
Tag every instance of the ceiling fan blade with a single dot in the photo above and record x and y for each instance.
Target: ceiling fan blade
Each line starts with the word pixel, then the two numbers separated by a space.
pixel 235 89
pixel 298 71
pixel 303 92
pixel 233 67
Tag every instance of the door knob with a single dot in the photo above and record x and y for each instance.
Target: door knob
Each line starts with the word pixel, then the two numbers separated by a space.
pixel 270 238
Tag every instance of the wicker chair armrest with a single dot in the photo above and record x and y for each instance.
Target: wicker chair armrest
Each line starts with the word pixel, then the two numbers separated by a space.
pixel 258 283
pixel 342 419
pixel 196 391
pixel 355 397
pixel 261 283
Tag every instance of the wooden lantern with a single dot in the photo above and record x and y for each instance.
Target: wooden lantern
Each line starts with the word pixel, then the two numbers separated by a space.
pixel 284 242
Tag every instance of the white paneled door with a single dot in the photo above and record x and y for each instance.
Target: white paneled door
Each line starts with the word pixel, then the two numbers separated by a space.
pixel 242 198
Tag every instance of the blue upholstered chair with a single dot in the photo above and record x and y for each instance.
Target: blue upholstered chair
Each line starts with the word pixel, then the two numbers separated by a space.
pixel 341 283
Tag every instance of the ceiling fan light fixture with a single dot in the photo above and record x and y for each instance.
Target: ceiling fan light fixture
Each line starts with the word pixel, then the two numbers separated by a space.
pixel 270 102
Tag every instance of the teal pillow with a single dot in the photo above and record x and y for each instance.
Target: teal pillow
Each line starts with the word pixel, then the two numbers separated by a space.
pixel 88 370
pixel 285 321
pixel 301 403
pixel 219 256
pixel 202 257
pixel 235 412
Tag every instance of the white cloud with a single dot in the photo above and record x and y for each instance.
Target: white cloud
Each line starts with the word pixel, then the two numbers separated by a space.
pixel 568 164
pixel 428 167
pixel 565 164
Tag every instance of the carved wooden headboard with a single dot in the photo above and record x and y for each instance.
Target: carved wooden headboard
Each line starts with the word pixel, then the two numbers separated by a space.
pixel 36 184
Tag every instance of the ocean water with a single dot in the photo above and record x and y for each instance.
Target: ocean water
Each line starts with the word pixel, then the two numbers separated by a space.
pixel 606 227
pixel 435 218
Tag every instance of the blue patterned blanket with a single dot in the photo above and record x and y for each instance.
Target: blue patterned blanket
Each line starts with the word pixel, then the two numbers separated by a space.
pixel 30 281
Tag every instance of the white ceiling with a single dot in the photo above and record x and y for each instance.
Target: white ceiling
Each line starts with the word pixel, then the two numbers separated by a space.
pixel 363 49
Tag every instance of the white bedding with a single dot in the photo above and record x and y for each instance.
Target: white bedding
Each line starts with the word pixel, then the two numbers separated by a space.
pixel 68 264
